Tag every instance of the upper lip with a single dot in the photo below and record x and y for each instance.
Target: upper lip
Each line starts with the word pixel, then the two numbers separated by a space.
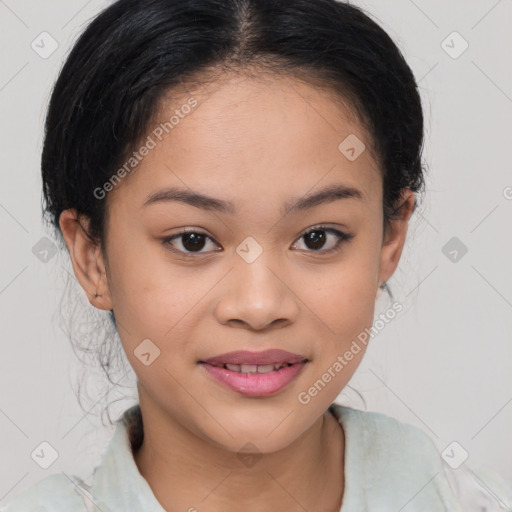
pixel 273 356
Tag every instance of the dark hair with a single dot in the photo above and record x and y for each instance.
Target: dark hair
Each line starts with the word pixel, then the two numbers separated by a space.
pixel 136 52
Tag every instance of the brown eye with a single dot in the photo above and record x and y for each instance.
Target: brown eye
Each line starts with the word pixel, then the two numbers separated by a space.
pixel 191 241
pixel 318 236
pixel 315 239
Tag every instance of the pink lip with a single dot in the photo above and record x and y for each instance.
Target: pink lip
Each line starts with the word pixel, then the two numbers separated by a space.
pixel 273 356
pixel 255 384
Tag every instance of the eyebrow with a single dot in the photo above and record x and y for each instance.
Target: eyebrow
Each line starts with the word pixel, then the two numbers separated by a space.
pixel 326 195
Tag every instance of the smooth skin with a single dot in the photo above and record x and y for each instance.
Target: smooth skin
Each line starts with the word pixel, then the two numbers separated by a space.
pixel 259 143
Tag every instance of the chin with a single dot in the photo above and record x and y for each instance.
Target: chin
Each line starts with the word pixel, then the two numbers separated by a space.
pixel 267 428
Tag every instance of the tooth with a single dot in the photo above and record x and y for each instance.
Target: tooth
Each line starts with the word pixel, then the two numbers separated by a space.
pixel 248 368
pixel 279 366
pixel 233 367
pixel 265 368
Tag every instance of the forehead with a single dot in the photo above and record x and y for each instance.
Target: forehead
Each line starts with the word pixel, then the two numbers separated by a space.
pixel 265 137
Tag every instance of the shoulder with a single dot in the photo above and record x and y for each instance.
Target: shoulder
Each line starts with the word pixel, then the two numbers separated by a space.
pixel 383 435
pixel 394 462
pixel 480 489
pixel 53 493
pixel 402 456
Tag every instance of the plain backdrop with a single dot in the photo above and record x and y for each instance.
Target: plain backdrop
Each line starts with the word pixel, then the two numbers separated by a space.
pixel 443 364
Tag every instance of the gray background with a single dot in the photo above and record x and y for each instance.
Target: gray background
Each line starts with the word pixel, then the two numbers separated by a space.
pixel 443 364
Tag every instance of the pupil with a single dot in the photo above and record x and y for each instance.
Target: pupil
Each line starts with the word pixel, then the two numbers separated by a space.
pixel 318 240
pixel 196 240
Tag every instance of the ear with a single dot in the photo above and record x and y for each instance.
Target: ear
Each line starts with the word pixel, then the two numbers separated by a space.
pixel 394 236
pixel 86 258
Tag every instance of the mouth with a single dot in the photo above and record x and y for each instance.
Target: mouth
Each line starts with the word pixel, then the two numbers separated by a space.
pixel 248 359
pixel 255 373
pixel 254 368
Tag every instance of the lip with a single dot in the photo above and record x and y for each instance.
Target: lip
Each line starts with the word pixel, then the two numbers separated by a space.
pixel 272 356
pixel 255 384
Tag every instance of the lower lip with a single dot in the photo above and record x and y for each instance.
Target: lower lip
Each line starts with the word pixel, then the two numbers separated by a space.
pixel 255 384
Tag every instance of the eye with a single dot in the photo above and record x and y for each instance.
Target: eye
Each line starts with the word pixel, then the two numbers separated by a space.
pixel 190 239
pixel 193 241
pixel 316 237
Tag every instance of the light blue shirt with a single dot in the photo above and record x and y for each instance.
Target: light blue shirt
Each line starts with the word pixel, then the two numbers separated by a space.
pixel 389 467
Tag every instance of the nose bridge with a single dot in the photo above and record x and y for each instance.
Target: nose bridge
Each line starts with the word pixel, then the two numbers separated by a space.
pixel 259 296
pixel 252 269
pixel 253 266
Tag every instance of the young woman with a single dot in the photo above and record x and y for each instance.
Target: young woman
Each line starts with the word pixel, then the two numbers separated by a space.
pixel 233 180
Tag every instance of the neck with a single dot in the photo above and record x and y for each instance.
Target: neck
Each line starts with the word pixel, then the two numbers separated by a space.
pixel 186 472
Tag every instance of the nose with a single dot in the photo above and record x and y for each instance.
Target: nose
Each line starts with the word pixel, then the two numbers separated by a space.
pixel 258 295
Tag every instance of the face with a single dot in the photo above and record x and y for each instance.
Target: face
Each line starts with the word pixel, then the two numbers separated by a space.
pixel 268 270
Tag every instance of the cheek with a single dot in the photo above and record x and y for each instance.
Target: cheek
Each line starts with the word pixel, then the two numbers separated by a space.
pixel 151 297
pixel 344 303
pixel 155 298
pixel 343 296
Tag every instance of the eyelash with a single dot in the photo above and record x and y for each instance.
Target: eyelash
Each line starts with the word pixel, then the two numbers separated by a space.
pixel 342 239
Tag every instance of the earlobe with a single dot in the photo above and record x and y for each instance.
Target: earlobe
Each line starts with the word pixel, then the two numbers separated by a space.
pixel 86 258
pixel 394 237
